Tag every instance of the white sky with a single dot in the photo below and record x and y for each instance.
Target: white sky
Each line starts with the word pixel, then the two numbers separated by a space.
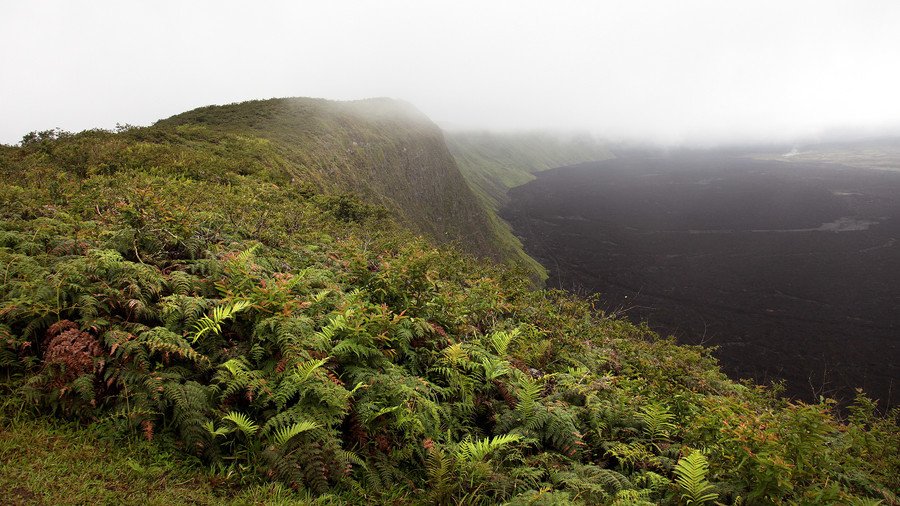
pixel 664 71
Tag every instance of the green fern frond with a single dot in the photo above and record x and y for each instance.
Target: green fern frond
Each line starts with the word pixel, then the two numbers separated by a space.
pixel 864 501
pixel 476 451
pixel 658 421
pixel 440 475
pixel 500 340
pixel 319 297
pixel 632 454
pixel 163 340
pixel 529 393
pixel 690 474
pixel 285 434
pixel 244 257
pixel 213 323
pixel 494 369
pixel 180 283
pixel 630 497
pixel 306 369
pixel 235 366
pixel 381 412
pixel 335 326
pixel 242 422
pixel 455 354
pixel 348 458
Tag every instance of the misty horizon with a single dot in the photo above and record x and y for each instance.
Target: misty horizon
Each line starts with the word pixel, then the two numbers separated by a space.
pixel 696 73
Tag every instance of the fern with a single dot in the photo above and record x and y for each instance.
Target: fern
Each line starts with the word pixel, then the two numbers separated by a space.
pixel 529 393
pixel 476 451
pixel 690 475
pixel 182 312
pixel 592 483
pixel 242 422
pixel 282 436
pixel 450 380
pixel 633 454
pixel 658 421
pixel 213 323
pixel 455 354
pixel 500 340
pixel 632 497
pixel 494 369
pixel 440 474
pixel 163 340
pixel 864 501
pixel 216 432
pixel 190 405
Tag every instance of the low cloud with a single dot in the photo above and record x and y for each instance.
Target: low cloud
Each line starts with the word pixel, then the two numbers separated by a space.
pixel 693 72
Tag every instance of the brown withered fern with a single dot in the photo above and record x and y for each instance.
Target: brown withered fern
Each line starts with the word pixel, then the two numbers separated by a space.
pixel 70 354
pixel 148 427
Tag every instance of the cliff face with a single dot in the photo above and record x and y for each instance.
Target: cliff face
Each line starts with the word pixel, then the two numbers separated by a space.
pixel 385 150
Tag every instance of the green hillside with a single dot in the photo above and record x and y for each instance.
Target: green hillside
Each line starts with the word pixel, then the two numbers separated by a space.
pixel 224 287
pixel 383 150
pixel 496 162
pixel 493 163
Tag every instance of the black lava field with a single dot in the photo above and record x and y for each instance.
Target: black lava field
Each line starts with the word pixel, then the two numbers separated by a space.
pixel 791 269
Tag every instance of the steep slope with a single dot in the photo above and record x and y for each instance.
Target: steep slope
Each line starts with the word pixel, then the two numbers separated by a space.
pixel 493 163
pixel 382 149
pixel 496 162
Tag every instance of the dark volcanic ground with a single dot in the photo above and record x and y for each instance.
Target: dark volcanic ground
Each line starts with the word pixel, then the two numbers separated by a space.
pixel 792 270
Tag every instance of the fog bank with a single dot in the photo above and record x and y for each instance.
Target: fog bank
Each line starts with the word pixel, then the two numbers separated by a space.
pixel 702 72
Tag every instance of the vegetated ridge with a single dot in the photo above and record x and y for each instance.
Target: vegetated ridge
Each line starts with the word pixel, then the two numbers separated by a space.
pixel 384 150
pixel 193 285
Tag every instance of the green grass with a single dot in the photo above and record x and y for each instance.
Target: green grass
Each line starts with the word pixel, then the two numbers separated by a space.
pixel 48 462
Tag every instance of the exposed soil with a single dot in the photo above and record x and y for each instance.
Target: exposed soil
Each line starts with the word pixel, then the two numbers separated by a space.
pixel 791 269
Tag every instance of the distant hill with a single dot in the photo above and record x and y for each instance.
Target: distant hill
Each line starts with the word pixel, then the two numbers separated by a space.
pixel 877 153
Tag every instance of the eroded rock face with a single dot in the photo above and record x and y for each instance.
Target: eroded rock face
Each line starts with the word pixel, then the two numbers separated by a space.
pixel 792 270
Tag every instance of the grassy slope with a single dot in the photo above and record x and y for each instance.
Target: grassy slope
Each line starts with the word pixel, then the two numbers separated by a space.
pixel 48 462
pixel 495 162
pixel 382 149
pixel 492 163
pixel 430 377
